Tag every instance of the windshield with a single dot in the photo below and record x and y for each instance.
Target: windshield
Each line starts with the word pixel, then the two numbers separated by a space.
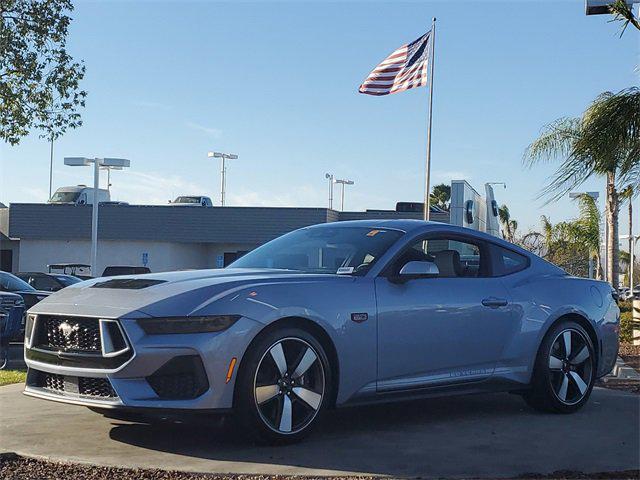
pixel 65 197
pixel 187 200
pixel 344 250
pixel 11 283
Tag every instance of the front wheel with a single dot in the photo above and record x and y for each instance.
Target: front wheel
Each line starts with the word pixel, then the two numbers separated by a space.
pixel 564 371
pixel 283 386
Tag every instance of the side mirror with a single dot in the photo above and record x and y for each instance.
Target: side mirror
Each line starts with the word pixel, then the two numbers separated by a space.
pixel 416 269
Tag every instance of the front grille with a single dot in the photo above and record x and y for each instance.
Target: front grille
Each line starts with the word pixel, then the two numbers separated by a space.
pixel 73 386
pixel 9 301
pixel 70 334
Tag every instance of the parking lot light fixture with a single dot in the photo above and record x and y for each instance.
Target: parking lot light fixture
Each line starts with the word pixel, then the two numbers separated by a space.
pixel 330 177
pixel 343 182
pixel 98 163
pixel 223 170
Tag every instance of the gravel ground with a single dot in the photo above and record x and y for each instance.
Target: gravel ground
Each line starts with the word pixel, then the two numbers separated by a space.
pixel 14 467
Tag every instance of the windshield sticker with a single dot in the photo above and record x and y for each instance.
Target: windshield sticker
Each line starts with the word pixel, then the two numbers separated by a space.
pixel 345 271
pixel 373 233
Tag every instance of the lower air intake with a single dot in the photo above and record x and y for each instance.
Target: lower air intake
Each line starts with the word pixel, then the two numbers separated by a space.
pixel 181 378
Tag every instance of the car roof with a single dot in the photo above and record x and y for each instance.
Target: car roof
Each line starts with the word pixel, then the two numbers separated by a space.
pixel 407 225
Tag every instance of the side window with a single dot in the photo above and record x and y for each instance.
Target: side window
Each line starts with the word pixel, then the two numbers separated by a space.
pixel 508 261
pixel 453 257
pixel 43 283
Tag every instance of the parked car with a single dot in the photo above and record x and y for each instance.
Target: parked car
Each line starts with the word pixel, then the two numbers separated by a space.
pixel 79 270
pixel 12 284
pixel 11 322
pixel 50 282
pixel 78 195
pixel 331 315
pixel 191 201
pixel 124 270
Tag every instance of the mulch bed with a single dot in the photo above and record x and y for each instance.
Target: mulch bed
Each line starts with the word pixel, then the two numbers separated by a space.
pixel 15 467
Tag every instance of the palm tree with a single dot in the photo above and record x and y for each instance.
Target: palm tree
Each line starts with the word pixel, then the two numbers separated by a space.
pixel 441 196
pixel 604 141
pixel 509 226
pixel 588 229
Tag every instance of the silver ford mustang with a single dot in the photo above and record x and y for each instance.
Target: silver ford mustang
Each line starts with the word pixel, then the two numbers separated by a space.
pixel 329 315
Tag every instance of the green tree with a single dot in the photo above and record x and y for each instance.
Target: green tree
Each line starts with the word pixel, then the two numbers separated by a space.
pixel 441 196
pixel 604 141
pixel 509 225
pixel 570 244
pixel 39 80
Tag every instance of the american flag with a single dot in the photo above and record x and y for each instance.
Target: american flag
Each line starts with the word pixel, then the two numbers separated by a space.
pixel 405 68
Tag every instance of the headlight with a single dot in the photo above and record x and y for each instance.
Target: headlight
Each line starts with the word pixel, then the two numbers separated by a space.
pixel 172 325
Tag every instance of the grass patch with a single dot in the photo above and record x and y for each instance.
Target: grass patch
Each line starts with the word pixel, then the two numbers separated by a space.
pixel 12 376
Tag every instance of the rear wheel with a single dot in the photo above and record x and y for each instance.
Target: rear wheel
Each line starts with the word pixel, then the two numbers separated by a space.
pixel 564 371
pixel 282 387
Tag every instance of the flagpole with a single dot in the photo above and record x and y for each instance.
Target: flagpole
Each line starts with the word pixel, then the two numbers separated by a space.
pixel 427 178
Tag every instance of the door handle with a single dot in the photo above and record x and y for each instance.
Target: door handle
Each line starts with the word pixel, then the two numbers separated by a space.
pixel 494 302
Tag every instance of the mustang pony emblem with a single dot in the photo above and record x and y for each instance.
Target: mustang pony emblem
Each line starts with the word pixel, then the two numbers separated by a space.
pixel 67 329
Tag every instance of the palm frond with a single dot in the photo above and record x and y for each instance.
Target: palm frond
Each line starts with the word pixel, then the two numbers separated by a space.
pixel 555 141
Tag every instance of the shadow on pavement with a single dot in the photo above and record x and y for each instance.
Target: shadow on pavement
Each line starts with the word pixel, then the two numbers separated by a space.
pixel 382 439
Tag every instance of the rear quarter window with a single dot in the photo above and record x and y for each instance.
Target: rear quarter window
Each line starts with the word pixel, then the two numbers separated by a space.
pixel 507 261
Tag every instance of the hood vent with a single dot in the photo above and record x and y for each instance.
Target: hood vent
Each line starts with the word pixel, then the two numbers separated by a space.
pixel 128 283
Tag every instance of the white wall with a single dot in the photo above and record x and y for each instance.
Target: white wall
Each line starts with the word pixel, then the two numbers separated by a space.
pixel 35 255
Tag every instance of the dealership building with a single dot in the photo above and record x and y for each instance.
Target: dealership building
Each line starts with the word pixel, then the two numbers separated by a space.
pixel 33 236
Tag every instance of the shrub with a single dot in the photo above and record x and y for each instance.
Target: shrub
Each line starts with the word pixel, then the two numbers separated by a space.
pixel 626 328
pixel 626 306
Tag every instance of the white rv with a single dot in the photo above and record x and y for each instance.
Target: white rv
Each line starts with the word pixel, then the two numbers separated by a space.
pixel 78 195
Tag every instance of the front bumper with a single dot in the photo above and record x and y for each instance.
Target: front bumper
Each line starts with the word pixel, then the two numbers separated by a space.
pixel 173 372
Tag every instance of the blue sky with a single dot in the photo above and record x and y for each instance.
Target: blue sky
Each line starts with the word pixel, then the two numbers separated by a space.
pixel 276 83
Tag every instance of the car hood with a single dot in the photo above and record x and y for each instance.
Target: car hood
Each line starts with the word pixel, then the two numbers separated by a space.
pixel 148 295
pixel 43 293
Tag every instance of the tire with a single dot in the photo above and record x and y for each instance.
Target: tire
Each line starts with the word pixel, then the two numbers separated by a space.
pixel 564 371
pixel 283 386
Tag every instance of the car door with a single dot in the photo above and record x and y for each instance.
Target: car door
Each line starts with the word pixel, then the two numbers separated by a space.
pixel 446 328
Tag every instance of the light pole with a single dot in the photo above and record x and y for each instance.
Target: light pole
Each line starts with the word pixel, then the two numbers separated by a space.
pixel 223 169
pixel 633 239
pixel 595 196
pixel 97 164
pixel 343 183
pixel 329 176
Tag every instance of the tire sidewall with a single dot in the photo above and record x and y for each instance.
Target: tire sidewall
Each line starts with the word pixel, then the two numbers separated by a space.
pixel 245 408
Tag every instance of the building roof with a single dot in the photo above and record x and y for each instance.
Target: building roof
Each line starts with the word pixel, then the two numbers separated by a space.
pixel 248 225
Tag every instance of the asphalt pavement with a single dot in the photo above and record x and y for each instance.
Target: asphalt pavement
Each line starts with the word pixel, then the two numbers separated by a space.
pixel 479 436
